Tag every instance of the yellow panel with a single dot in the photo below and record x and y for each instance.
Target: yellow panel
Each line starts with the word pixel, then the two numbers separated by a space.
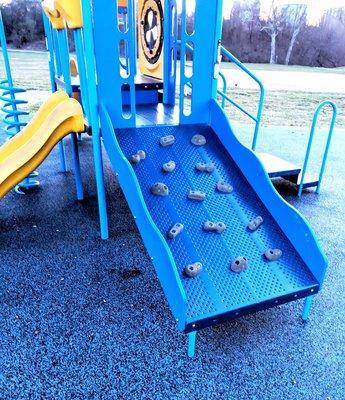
pixel 122 3
pixel 56 118
pixel 151 59
pixel 70 10
pixel 53 15
pixel 73 67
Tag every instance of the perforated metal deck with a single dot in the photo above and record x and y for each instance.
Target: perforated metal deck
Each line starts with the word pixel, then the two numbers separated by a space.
pixel 218 293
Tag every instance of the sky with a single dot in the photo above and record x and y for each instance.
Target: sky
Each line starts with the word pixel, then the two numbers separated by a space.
pixel 316 8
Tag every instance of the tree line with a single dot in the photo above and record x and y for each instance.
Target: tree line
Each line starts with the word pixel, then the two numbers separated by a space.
pixel 285 35
pixel 23 22
pixel 282 36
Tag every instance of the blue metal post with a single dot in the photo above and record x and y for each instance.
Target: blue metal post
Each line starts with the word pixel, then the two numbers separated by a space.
pixel 170 52
pixel 225 87
pixel 328 144
pixel 64 57
pixel 79 47
pixel 56 53
pixel 94 117
pixel 52 73
pixel 191 344
pixel 9 75
pixel 307 307
pixel 310 142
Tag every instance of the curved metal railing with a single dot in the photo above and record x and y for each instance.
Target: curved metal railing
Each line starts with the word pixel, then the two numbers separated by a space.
pixel 256 118
pixel 223 93
pixel 320 107
pixel 12 114
pixel 13 123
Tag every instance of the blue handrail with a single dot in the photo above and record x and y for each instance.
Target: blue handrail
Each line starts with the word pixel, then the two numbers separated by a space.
pixel 321 106
pixel 258 116
pixel 225 87
pixel 223 93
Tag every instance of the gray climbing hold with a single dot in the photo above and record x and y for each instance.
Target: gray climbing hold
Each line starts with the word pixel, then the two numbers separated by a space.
pixel 202 167
pixel 217 227
pixel 224 187
pixel 136 158
pixel 175 230
pixel 255 223
pixel 160 189
pixel 141 154
pixel 273 254
pixel 193 270
pixel 167 140
pixel 239 264
pixel 169 166
pixel 196 195
pixel 198 140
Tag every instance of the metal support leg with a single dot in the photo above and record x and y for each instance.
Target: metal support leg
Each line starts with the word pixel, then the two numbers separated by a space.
pixel 77 172
pixel 191 344
pixel 307 308
pixel 62 154
pixel 102 203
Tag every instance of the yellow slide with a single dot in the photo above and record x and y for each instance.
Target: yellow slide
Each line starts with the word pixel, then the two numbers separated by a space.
pixel 56 118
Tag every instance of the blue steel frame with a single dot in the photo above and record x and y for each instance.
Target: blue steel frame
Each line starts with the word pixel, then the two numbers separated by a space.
pixel 57 44
pixel 54 64
pixel 321 106
pixel 170 52
pixel 94 116
pixel 202 81
pixel 102 99
pixel 107 95
pixel 108 60
pixel 63 50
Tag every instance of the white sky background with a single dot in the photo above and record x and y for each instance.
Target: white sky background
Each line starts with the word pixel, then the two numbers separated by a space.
pixel 316 8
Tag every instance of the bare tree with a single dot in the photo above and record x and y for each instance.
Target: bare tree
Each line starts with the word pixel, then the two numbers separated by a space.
pixel 296 18
pixel 272 26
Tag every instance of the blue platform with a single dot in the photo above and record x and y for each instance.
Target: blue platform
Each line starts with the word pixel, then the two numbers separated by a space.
pixel 218 293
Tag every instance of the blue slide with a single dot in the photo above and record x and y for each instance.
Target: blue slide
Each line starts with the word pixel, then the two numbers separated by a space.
pixel 218 293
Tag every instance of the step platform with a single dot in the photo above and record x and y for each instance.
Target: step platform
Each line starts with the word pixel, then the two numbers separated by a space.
pixel 279 168
pixel 148 90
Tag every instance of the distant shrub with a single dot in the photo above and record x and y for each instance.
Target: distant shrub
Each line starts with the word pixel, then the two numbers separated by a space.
pixel 23 22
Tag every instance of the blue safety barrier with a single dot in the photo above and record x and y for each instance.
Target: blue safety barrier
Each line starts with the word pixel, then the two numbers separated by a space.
pixel 321 106
pixel 223 93
pixel 258 117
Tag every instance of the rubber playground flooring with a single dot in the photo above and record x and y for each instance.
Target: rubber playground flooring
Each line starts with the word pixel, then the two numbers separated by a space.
pixel 82 318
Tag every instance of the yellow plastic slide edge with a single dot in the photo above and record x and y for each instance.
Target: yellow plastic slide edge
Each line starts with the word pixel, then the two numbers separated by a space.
pixel 64 11
pixel 73 67
pixel 54 16
pixel 26 133
pixel 65 117
pixel 25 169
pixel 70 10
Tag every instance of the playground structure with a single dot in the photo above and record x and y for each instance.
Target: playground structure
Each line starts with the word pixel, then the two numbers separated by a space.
pixel 151 115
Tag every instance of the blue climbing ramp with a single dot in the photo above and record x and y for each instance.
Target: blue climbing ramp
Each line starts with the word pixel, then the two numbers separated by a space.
pixel 217 294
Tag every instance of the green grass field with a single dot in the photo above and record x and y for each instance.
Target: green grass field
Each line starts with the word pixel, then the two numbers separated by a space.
pixel 286 107
pixel 282 107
